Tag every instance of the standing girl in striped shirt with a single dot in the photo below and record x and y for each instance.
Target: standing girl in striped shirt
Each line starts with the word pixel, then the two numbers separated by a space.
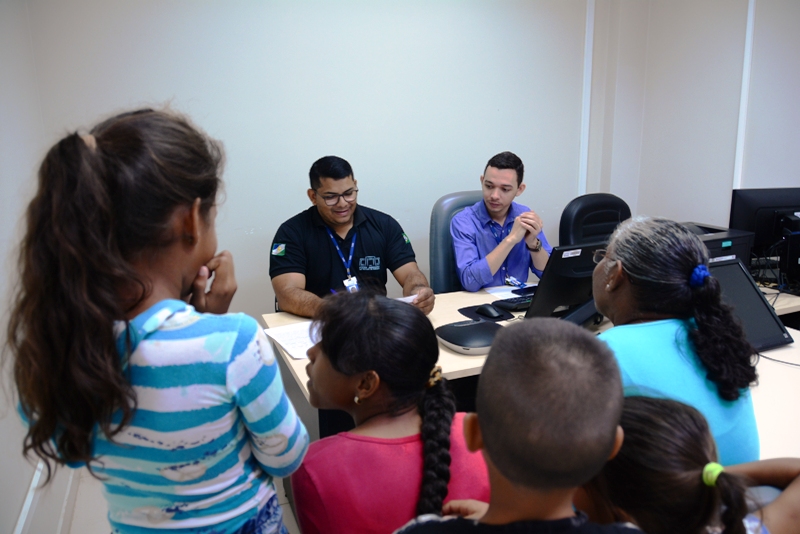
pixel 179 411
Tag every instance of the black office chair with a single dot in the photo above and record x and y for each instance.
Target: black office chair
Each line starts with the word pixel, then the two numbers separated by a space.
pixel 444 278
pixel 591 218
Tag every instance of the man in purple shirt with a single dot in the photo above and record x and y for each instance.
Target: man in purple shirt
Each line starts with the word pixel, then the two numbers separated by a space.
pixel 497 240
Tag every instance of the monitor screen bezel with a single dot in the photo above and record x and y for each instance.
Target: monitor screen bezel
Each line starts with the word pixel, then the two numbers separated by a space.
pixel 557 285
pixel 782 336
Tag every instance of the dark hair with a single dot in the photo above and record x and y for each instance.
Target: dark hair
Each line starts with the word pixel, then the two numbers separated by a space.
pixel 102 200
pixel 362 331
pixel 329 167
pixel 507 160
pixel 549 400
pixel 657 476
pixel 659 257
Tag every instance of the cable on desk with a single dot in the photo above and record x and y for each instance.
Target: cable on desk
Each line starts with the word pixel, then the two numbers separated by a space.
pixel 779 361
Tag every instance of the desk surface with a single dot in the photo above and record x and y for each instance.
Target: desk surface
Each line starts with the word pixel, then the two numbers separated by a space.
pixel 775 398
pixel 783 303
pixel 445 311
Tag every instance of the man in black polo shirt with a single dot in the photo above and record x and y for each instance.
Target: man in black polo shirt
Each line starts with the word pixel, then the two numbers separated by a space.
pixel 336 245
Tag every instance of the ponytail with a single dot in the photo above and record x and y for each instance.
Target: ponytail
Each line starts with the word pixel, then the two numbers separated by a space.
pixel 657 476
pixel 667 268
pixel 61 327
pixel 720 342
pixel 731 490
pixel 101 200
pixel 437 407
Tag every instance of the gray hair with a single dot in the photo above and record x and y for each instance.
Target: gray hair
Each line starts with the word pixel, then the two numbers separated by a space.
pixel 659 256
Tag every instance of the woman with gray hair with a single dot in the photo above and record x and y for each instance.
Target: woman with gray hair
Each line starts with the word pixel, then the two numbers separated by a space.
pixel 673 336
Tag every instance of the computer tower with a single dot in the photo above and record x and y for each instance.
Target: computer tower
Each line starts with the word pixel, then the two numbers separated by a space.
pixel 723 243
pixel 790 260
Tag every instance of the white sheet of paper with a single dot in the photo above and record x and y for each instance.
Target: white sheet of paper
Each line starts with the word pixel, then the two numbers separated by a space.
pixel 408 299
pixel 503 292
pixel 295 338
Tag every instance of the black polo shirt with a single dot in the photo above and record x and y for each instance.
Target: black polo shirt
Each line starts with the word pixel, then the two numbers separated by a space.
pixel 302 245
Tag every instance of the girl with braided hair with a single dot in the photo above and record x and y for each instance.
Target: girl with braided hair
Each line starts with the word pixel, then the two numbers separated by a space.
pixel 666 479
pixel 673 336
pixel 375 358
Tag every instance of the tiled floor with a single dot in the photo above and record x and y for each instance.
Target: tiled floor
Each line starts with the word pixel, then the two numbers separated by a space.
pixel 90 508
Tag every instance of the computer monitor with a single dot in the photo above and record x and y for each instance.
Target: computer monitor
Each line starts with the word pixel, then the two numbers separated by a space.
pixel 763 328
pixel 766 213
pixel 566 282
pixel 773 215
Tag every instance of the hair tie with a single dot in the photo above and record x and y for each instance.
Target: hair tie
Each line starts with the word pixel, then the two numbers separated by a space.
pixel 436 376
pixel 699 275
pixel 711 472
pixel 90 141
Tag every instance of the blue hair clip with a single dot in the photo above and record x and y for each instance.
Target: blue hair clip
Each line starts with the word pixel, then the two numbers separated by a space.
pixel 699 275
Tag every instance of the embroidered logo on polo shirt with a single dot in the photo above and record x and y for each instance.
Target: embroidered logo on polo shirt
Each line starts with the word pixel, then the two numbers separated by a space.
pixel 406 239
pixel 369 263
pixel 279 249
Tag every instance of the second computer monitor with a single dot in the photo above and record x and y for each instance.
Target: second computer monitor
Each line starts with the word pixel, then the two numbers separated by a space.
pixel 566 281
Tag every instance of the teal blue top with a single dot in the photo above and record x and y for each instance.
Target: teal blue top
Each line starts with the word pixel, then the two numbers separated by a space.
pixel 657 360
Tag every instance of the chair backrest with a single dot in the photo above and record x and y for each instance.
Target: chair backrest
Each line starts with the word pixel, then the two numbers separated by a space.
pixel 444 278
pixel 591 217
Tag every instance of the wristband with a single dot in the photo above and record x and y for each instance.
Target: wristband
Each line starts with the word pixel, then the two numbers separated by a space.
pixel 538 246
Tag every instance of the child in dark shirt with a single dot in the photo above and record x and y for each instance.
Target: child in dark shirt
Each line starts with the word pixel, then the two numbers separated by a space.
pixel 548 408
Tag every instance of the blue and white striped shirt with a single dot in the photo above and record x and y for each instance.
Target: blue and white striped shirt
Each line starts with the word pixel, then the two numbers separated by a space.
pixel 212 426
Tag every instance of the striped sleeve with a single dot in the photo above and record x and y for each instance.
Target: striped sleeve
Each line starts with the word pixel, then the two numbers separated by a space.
pixel 277 435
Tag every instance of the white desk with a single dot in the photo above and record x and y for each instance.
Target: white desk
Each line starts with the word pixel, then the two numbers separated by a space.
pixel 783 304
pixel 445 311
pixel 775 398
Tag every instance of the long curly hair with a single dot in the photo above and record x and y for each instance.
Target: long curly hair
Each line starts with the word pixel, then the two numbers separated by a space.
pixel 659 257
pixel 103 199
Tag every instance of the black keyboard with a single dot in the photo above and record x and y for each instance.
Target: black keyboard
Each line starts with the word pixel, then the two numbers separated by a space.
pixel 513 304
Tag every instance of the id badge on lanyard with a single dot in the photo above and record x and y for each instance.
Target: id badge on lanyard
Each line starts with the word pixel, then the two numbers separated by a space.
pixel 351 282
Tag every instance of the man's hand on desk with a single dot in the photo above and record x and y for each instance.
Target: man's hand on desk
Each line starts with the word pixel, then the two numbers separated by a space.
pixel 425 300
pixel 223 287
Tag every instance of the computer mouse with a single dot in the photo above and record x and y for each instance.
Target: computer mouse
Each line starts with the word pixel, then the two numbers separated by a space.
pixel 487 310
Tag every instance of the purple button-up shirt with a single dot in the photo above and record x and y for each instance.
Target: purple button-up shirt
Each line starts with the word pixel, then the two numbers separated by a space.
pixel 473 239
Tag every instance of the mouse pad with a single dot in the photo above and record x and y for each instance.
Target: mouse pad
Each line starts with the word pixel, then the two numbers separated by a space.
pixel 469 312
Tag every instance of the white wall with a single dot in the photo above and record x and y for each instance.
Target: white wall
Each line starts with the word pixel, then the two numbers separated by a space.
pixel 772 146
pixel 416 95
pixel 20 141
pixel 694 71
pixel 618 98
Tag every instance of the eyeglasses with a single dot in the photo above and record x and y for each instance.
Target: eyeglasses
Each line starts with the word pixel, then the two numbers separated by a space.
pixel 333 198
pixel 599 254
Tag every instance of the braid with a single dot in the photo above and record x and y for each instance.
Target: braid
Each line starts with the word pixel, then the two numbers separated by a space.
pixel 720 342
pixel 678 284
pixel 437 408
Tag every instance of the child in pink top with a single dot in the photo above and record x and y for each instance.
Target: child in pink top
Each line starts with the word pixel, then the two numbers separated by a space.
pixel 376 359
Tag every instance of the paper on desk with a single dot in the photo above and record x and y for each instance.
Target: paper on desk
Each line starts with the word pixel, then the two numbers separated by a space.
pixel 295 338
pixel 408 299
pixel 504 292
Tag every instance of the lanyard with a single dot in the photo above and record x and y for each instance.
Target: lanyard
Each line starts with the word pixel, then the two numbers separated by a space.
pixel 497 238
pixel 352 248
